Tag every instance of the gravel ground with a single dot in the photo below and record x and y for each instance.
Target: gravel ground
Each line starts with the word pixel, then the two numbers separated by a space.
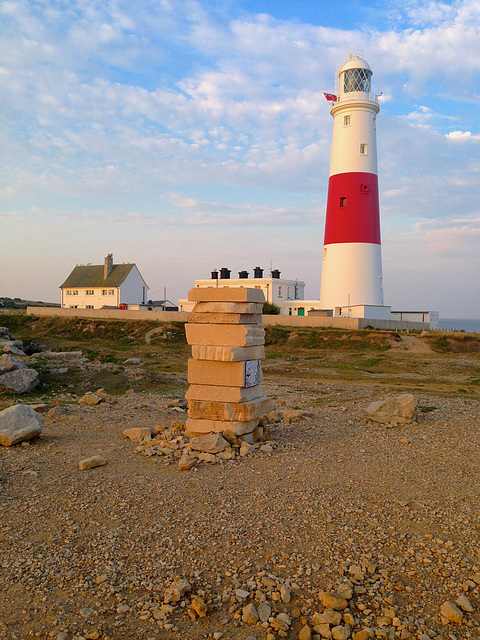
pixel 389 518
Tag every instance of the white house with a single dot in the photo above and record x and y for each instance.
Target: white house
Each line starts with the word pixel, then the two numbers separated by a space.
pixel 107 285
pixel 279 291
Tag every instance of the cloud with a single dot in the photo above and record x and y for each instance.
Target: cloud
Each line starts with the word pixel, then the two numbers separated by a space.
pixel 462 136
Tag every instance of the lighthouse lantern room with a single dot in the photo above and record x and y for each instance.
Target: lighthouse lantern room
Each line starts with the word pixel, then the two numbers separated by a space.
pixel 352 260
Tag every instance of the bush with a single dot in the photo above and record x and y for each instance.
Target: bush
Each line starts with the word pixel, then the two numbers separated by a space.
pixel 270 309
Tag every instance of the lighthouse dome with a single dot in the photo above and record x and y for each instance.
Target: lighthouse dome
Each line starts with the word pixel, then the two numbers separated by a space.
pixel 355 77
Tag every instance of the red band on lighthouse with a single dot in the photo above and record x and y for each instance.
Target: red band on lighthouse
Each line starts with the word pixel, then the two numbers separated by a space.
pixel 352 209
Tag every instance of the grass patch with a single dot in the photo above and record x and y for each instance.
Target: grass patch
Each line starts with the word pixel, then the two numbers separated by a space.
pixel 455 343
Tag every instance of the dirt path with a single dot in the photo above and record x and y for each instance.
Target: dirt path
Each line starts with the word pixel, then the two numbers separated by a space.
pixel 414 344
pixel 152 332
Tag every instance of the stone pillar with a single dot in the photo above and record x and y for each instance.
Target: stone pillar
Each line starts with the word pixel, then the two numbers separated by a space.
pixel 225 375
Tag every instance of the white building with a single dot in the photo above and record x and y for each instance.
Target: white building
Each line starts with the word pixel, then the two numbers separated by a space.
pixel 107 285
pixel 286 294
pixel 429 317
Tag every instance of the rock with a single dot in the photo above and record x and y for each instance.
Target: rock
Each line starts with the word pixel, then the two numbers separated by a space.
pixel 138 434
pixel 241 593
pixel 323 630
pixel 101 393
pixel 199 606
pixel 19 380
pixel 210 443
pixel 305 633
pixel 284 592
pixel 246 448
pixel 328 616
pixel 333 601
pixel 451 612
pixel 11 347
pixel 264 611
pixel 60 371
pixel 393 411
pixel 132 361
pixel 62 355
pixel 9 363
pixel 464 603
pixel 250 614
pixel 288 415
pixel 55 412
pixel 186 463
pixel 345 592
pixel 19 423
pixel 91 463
pixel 364 634
pixel 90 399
pixel 176 591
pixel 341 633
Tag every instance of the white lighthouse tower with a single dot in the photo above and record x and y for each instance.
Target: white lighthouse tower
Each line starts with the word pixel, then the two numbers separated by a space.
pixel 352 260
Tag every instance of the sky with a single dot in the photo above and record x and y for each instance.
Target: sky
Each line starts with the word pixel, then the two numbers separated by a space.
pixel 187 135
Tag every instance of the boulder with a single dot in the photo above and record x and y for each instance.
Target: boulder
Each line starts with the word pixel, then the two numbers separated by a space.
pixel 19 381
pixel 12 346
pixel 210 443
pixel 393 411
pixel 9 363
pixel 18 424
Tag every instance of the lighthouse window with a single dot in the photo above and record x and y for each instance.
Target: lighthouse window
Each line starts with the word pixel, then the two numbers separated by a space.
pixel 363 149
pixel 357 80
pixel 343 202
pixel 346 121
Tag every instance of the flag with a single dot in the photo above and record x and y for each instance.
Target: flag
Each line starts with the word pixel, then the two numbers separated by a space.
pixel 330 97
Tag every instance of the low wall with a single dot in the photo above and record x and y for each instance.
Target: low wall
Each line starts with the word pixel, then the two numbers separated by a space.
pixel 110 314
pixel 181 316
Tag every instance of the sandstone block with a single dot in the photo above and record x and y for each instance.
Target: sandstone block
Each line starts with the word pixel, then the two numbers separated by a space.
pixel 199 427
pixel 228 307
pixel 224 374
pixel 90 399
pixel 205 392
pixel 328 616
pixel 227 354
pixel 242 411
pixel 225 294
pixel 91 463
pixel 210 443
pixel 19 423
pixel 224 318
pixel 186 463
pixel 228 335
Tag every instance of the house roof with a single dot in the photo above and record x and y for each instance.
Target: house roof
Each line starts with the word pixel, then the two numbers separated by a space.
pixel 92 276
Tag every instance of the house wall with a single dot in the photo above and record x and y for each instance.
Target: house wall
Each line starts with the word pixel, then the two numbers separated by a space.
pixel 97 300
pixel 133 289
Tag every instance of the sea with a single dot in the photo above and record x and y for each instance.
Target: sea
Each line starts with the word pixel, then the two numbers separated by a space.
pixel 457 324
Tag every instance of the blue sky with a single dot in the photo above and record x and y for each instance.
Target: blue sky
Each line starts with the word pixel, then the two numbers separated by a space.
pixel 186 136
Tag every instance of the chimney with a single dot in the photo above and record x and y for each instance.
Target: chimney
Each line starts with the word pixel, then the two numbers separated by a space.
pixel 108 268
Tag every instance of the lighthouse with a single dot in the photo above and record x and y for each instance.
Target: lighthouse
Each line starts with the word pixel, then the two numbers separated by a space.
pixel 352 260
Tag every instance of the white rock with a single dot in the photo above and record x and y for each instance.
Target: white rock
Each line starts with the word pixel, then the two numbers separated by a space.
pixel 18 424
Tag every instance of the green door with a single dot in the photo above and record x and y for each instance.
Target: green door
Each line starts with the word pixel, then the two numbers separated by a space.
pixel 301 311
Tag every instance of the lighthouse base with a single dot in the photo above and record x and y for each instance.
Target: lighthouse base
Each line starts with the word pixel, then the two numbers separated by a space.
pixel 351 275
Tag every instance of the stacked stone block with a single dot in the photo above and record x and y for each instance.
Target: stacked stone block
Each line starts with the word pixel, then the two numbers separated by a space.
pixel 225 375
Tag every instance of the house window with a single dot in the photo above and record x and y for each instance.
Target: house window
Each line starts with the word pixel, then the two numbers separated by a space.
pixel 89 292
pixel 364 188
pixel 89 306
pixel 69 293
pixel 363 149
pixel 75 292
pixel 343 203
pixel 111 292
pixel 279 292
pixel 346 121
pixel 104 292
